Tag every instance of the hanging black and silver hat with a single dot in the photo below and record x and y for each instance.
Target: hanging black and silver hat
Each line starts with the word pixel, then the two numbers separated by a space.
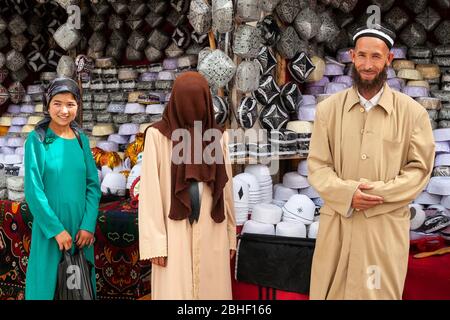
pixel 14 60
pixel 4 95
pixel 152 54
pixel 16 92
pixel 247 76
pixel 222 15
pixel 135 22
pixel 38 43
pixel 307 24
pixel 221 109
pixel 248 10
pixel 247 41
pixel 53 57
pixel 247 113
pixel 17 25
pixel 137 40
pixel 267 90
pixel 98 23
pixel 429 19
pixel 154 19
pixel 200 16
pixel 442 32
pixel 181 37
pixel 396 18
pixel 413 35
pixel 266 60
pixel 288 9
pixel 301 67
pixel 19 42
pixel 67 37
pixel 120 6
pixel 217 68
pixel 290 43
pixel 138 8
pixel 200 39
pixel 269 30
pixel 328 29
pixel 36 61
pixel 290 97
pixel 158 39
pixel 274 116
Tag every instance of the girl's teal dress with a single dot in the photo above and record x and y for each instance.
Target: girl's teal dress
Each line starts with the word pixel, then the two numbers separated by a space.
pixel 63 192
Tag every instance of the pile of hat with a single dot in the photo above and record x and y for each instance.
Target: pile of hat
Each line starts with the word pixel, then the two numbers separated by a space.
pixel 431 210
pixel 262 174
pixel 135 30
pixel 429 220
pixel 299 218
pixel 26 42
pixel 254 191
pixel 270 219
pixel 241 196
pixel 298 180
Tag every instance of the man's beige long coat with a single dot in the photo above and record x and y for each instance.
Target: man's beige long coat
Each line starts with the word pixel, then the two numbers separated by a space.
pixel 365 255
pixel 198 256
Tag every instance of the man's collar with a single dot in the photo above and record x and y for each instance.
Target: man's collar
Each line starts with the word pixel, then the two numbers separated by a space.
pixel 386 101
pixel 374 100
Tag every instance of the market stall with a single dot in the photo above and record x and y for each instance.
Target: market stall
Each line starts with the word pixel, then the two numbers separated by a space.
pixel 268 62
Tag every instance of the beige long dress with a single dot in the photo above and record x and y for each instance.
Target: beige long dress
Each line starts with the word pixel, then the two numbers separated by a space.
pixel 198 256
pixel 365 255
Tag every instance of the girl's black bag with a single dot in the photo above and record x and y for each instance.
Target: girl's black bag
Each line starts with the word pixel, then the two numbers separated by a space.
pixel 74 277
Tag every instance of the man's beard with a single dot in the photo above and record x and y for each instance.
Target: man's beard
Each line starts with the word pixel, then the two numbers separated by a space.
pixel 369 85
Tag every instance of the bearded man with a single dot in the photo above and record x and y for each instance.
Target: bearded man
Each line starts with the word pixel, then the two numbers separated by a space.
pixel 371 154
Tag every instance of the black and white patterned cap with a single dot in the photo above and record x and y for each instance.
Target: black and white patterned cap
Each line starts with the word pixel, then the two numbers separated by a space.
pixel 301 67
pixel 221 109
pixel 290 97
pixel 375 31
pixel 274 116
pixel 267 91
pixel 247 113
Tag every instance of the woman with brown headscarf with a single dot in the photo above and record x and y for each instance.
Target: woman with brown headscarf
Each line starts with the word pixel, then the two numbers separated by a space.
pixel 186 211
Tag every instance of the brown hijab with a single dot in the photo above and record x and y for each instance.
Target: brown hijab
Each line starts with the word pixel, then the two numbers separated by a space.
pixel 191 101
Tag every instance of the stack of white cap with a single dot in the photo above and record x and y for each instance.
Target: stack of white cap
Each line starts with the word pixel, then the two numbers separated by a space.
pixel 241 200
pixel 254 190
pixel 263 219
pixel 267 213
pixel 262 174
pixel 309 191
pixel 299 208
pixel 281 194
pixel 295 181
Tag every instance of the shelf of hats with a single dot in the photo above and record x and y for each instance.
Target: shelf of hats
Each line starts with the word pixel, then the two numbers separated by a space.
pixel 268 62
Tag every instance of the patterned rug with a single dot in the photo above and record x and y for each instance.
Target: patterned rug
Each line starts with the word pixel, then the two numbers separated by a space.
pixel 120 274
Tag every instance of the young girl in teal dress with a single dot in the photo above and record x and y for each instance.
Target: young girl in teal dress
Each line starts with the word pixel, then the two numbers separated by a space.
pixel 61 188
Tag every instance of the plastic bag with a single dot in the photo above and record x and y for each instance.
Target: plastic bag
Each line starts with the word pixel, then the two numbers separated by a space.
pixel 74 277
